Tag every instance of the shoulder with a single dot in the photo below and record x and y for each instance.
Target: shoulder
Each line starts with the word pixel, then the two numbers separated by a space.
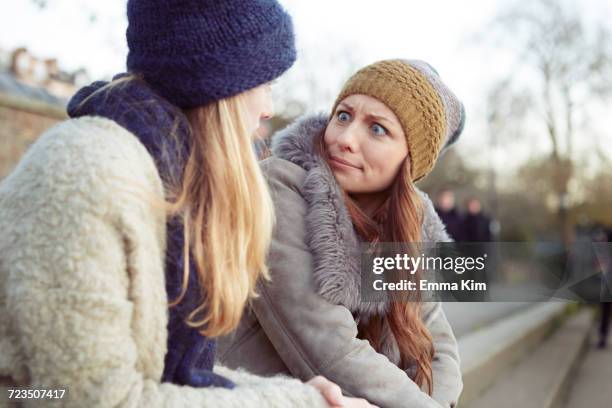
pixel 80 171
pixel 95 144
pixel 286 185
pixel 281 172
pixel 84 155
pixel 432 227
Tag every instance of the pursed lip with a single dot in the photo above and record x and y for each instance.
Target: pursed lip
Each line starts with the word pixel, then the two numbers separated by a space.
pixel 337 160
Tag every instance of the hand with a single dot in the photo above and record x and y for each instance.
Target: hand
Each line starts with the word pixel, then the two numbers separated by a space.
pixel 333 394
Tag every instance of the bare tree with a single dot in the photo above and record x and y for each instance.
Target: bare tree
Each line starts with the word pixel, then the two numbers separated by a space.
pixel 46 4
pixel 453 171
pixel 566 65
pixel 315 79
pixel 40 3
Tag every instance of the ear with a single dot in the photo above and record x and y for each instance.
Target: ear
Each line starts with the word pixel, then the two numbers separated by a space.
pixel 407 166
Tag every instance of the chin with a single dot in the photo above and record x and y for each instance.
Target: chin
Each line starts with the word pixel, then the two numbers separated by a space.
pixel 349 188
pixel 340 179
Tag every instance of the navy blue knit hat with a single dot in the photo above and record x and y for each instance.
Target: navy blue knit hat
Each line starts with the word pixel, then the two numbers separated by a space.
pixel 194 52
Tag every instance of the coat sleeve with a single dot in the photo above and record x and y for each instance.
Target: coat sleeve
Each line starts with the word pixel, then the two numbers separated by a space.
pixel 446 368
pixel 311 335
pixel 74 301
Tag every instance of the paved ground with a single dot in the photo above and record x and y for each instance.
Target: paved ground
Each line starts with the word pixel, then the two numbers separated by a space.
pixel 465 317
pixel 592 385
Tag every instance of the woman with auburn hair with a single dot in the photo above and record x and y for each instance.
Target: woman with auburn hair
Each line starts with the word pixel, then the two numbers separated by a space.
pixel 336 181
pixel 150 202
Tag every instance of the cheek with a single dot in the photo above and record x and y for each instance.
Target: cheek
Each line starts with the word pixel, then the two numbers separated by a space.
pixel 385 164
pixel 258 105
pixel 266 102
pixel 258 102
pixel 251 110
pixel 329 136
pixel 382 160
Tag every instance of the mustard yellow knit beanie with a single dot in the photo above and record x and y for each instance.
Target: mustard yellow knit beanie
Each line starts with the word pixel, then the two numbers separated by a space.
pixel 430 114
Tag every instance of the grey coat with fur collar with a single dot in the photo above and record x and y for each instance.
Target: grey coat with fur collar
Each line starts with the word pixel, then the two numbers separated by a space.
pixel 303 323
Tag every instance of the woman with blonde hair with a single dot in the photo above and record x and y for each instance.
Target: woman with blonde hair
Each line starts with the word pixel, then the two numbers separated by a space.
pixel 149 201
pixel 338 180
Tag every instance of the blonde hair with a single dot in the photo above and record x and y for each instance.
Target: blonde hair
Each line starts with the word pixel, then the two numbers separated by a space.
pixel 228 215
pixel 225 206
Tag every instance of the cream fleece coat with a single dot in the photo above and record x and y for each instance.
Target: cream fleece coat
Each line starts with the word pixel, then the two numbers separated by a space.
pixel 82 294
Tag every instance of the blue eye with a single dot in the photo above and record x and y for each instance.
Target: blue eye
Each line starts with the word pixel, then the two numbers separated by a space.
pixel 343 116
pixel 378 129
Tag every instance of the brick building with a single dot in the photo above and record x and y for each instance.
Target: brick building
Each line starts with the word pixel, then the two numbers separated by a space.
pixel 33 96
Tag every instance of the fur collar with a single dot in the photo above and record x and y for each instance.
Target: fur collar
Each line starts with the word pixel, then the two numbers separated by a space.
pixel 329 232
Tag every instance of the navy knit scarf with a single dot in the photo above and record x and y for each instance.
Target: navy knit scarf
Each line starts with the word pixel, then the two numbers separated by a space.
pixel 137 108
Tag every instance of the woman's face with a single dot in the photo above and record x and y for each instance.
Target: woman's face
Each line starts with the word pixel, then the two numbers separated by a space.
pixel 366 145
pixel 259 107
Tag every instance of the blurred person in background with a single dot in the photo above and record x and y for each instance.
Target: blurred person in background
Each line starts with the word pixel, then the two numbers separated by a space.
pixel 449 213
pixel 603 253
pixel 476 225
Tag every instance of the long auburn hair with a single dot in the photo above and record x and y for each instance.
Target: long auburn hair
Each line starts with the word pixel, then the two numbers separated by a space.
pixel 397 220
pixel 225 206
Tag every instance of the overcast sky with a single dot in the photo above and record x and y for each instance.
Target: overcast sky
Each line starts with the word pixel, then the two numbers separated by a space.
pixel 444 33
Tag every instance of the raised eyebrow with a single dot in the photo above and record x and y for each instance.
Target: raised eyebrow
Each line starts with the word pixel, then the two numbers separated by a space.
pixel 379 118
pixel 345 106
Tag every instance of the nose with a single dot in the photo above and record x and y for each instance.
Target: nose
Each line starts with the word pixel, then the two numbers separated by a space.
pixel 267 111
pixel 347 140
